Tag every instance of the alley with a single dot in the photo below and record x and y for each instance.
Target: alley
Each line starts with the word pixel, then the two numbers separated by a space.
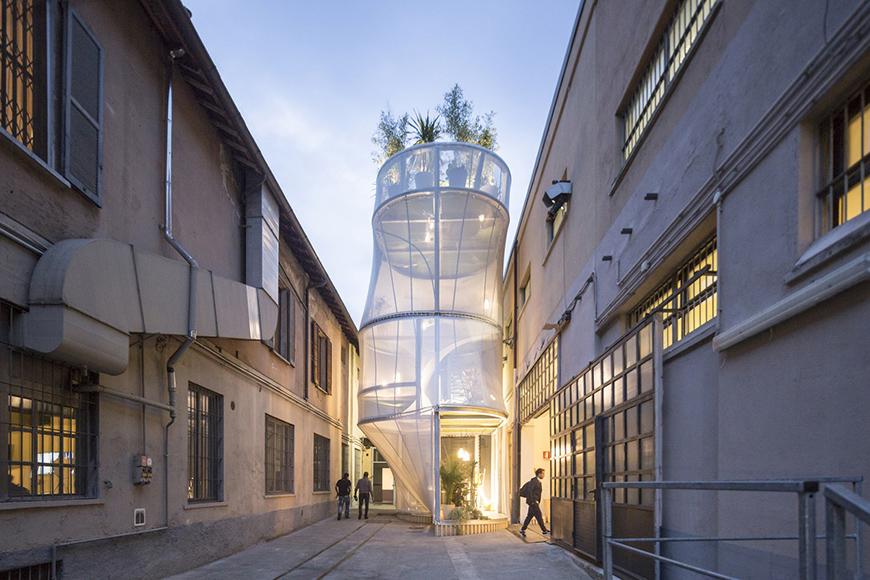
pixel 386 547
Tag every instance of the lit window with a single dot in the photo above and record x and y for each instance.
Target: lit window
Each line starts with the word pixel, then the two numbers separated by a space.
pixel 555 221
pixel 321 463
pixel 844 160
pixel 673 49
pixel 279 456
pixel 205 431
pixel 688 299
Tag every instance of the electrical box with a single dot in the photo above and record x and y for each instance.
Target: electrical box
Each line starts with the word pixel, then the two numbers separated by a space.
pixel 143 469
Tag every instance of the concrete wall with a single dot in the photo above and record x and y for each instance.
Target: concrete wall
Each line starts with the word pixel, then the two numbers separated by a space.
pixel 38 208
pixel 741 121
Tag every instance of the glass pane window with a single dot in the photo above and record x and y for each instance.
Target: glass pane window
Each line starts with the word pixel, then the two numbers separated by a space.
pixel 279 456
pixel 677 41
pixel 321 463
pixel 205 444
pixel 843 150
pixel 22 58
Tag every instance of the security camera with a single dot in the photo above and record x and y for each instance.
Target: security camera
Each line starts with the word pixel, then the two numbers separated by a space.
pixel 557 194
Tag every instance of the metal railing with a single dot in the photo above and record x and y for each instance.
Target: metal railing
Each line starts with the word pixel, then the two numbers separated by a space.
pixel 839 501
pixel 836 499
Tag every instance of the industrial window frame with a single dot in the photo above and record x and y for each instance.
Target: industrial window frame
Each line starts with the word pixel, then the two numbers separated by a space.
pixel 280 439
pixel 205 444
pixel 60 423
pixel 688 299
pixel 539 384
pixel 676 45
pixel 843 174
pixel 321 463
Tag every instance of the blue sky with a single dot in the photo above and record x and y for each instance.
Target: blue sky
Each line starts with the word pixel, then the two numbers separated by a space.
pixel 311 77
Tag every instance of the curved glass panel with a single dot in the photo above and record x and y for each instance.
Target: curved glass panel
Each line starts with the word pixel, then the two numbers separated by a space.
pixel 431 330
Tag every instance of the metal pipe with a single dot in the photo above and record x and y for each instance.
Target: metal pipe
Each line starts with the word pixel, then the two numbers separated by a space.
pixel 517 458
pixel 807 533
pixel 125 396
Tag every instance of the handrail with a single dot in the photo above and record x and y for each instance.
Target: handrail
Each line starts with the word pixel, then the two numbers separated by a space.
pixel 838 500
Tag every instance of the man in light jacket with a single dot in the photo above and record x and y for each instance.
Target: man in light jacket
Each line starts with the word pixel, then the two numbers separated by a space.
pixel 532 492
pixel 363 489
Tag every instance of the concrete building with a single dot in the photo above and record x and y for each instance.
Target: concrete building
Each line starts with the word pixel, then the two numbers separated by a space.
pixel 687 295
pixel 177 370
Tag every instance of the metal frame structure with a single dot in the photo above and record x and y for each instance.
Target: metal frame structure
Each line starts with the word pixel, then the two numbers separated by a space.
pixel 805 489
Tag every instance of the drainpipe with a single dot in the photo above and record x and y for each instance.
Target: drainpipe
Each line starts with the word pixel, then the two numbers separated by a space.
pixel 191 299
pixel 306 347
pixel 515 500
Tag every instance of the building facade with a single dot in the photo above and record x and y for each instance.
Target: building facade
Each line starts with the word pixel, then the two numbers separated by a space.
pixel 177 370
pixel 687 295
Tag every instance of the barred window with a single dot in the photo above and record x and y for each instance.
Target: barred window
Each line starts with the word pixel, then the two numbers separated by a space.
pixel 279 456
pixel 688 299
pixel 677 42
pixel 22 61
pixel 285 334
pixel 844 161
pixel 321 463
pixel 49 430
pixel 205 431
pixel 540 382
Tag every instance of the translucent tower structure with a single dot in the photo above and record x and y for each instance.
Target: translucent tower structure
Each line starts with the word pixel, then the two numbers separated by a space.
pixel 431 336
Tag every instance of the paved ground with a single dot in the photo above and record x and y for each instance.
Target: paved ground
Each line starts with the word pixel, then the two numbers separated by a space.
pixel 386 547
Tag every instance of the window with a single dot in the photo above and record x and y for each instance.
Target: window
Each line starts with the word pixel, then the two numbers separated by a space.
pixel 688 299
pixel 525 291
pixel 555 221
pixel 321 463
pixel 49 431
pixel 285 334
pixel 677 41
pixel 23 64
pixel 321 359
pixel 844 162
pixel 205 432
pixel 279 456
pixel 540 382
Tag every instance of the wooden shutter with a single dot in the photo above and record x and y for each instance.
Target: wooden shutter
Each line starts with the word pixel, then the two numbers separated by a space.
pixel 327 363
pixel 315 354
pixel 283 328
pixel 83 108
pixel 291 327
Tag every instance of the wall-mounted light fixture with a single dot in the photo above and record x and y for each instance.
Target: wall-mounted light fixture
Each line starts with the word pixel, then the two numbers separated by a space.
pixel 556 196
pixel 607 258
pixel 626 231
pixel 651 196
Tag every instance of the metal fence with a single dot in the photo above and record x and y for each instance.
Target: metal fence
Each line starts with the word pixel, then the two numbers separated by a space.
pixel 805 489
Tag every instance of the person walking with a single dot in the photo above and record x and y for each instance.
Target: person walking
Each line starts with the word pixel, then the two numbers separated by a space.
pixel 342 491
pixel 364 490
pixel 532 492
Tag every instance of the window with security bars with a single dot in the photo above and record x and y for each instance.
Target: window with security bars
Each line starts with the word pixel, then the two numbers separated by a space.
pixel 279 456
pixel 205 432
pixel 49 430
pixel 22 60
pixel 674 47
pixel 844 163
pixel 540 382
pixel 688 299
pixel 46 571
pixel 321 463
pixel 615 394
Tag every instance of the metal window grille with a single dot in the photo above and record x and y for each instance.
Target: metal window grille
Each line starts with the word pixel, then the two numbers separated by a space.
pixel 205 444
pixel 321 463
pixel 48 429
pixel 673 49
pixel 844 161
pixel 18 43
pixel 34 572
pixel 279 456
pixel 540 382
pixel 688 299
pixel 619 385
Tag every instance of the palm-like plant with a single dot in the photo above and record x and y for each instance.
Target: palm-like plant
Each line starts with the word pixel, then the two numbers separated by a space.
pixel 425 129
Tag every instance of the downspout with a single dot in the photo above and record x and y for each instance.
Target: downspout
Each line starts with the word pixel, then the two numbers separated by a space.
pixel 515 503
pixel 191 299
pixel 306 346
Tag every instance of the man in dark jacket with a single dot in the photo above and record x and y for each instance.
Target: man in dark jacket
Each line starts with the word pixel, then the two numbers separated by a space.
pixel 364 490
pixel 532 492
pixel 342 490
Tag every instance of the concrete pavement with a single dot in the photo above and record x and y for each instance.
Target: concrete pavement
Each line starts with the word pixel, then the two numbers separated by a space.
pixel 386 547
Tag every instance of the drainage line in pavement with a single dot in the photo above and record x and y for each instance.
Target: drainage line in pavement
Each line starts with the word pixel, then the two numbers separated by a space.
pixel 351 553
pixel 300 564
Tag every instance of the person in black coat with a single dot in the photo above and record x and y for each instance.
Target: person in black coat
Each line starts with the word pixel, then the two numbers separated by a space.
pixel 532 492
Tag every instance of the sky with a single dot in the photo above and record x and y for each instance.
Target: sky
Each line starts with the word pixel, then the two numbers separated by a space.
pixel 310 79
